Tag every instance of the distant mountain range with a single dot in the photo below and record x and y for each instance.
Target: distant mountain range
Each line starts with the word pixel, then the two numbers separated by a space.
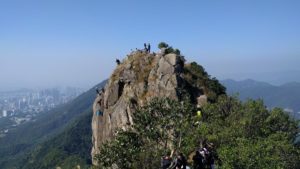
pixel 286 96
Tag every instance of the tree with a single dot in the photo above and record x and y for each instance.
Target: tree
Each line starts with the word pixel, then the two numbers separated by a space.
pixel 159 126
pixel 122 151
pixel 248 135
pixel 177 51
pixel 169 50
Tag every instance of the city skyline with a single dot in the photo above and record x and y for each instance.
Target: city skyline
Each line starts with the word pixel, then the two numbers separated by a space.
pixel 75 43
pixel 19 107
pixel 36 100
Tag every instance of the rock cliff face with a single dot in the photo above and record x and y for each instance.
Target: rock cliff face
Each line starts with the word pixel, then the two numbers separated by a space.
pixel 139 78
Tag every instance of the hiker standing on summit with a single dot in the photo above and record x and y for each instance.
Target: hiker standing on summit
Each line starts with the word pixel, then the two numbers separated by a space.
pixel 145 47
pixel 148 48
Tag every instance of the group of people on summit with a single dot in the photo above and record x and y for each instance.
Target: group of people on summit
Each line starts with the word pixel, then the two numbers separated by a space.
pixel 147 49
pixel 204 158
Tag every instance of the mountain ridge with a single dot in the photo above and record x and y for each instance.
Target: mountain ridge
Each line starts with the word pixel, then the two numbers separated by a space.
pixel 285 96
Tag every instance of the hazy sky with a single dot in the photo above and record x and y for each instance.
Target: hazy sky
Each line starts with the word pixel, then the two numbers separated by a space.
pixel 44 43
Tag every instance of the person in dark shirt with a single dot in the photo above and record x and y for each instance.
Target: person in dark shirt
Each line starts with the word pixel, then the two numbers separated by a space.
pixel 181 161
pixel 166 162
pixel 118 61
pixel 198 161
pixel 145 47
pixel 148 48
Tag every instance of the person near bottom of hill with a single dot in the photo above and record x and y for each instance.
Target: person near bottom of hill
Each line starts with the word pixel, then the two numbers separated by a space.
pixel 181 161
pixel 166 162
pixel 203 152
pixel 211 156
pixel 198 161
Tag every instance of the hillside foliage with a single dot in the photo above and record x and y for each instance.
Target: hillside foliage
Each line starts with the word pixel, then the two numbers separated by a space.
pixel 245 135
pixel 198 78
pixel 69 149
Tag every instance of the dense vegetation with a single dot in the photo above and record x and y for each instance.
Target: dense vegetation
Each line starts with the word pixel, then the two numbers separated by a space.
pixel 69 149
pixel 245 135
pixel 198 78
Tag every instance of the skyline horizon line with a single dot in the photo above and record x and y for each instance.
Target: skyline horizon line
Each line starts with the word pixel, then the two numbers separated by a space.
pixel 88 87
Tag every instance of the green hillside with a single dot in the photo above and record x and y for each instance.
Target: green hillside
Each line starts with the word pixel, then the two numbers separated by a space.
pixel 67 150
pixel 24 138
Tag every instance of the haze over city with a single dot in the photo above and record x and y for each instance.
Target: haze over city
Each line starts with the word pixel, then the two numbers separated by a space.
pixel 75 43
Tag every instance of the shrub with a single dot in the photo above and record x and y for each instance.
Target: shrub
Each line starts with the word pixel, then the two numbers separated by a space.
pixel 169 50
pixel 177 51
pixel 162 45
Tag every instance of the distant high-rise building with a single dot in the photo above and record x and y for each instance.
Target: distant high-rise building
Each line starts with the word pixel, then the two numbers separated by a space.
pixel 19 105
pixel 4 112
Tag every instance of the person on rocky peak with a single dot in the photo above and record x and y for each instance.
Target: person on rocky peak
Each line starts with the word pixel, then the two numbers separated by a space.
pixel 118 61
pixel 148 48
pixel 97 91
pixel 145 47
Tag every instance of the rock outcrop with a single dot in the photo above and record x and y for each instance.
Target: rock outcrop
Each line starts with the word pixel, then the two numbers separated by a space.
pixel 139 78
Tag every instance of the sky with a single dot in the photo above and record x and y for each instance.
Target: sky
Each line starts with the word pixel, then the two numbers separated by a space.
pixel 75 42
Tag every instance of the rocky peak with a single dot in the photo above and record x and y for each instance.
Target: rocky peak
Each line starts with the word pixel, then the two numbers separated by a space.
pixel 140 77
